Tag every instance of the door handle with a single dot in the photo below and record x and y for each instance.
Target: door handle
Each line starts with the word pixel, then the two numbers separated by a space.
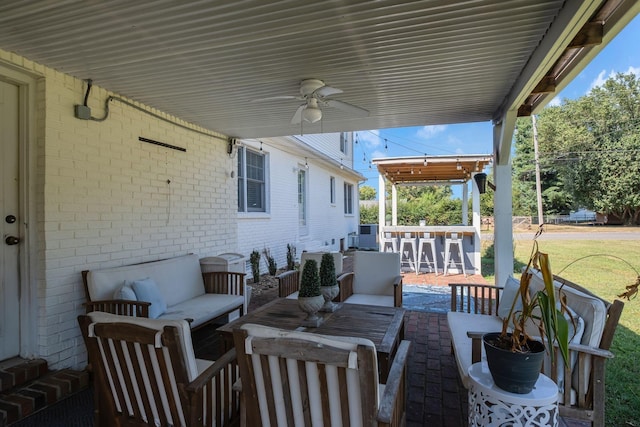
pixel 12 240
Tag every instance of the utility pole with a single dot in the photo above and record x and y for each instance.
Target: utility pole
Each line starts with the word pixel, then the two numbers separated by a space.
pixel 537 160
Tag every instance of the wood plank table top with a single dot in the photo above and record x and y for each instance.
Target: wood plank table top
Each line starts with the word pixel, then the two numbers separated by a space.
pixel 382 325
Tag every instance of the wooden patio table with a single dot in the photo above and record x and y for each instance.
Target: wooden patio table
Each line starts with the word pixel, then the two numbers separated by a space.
pixel 384 326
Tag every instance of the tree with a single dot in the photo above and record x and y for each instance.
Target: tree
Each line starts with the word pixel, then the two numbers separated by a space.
pixel 555 199
pixel 594 144
pixel 367 193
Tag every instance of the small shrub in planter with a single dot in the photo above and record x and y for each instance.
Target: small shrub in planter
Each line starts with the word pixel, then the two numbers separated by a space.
pixel 291 257
pixel 254 260
pixel 271 262
pixel 309 298
pixel 328 283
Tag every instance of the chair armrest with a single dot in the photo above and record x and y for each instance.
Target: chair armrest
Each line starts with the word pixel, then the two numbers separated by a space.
pixel 475 298
pixel 223 282
pixel 345 282
pixel 397 291
pixel 119 306
pixel 393 400
pixel 216 385
pixel 288 283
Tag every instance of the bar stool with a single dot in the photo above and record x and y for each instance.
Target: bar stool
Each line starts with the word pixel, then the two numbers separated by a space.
pixel 388 240
pixel 452 239
pixel 427 240
pixel 408 252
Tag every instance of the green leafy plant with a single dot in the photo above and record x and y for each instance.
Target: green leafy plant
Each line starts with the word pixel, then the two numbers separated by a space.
pixel 254 260
pixel 539 309
pixel 271 262
pixel 310 282
pixel 291 257
pixel 327 270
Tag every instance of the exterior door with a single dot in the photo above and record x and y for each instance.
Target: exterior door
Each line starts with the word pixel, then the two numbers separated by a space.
pixel 9 222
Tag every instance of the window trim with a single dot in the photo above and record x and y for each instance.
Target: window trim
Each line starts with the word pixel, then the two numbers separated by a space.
pixel 348 198
pixel 243 180
pixel 332 190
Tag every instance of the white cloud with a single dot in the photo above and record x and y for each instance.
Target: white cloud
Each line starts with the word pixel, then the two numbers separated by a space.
pixel 428 132
pixel 555 102
pixel 370 138
pixel 634 70
pixel 377 154
pixel 599 81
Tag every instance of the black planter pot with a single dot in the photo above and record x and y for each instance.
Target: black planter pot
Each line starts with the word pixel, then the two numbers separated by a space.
pixel 513 372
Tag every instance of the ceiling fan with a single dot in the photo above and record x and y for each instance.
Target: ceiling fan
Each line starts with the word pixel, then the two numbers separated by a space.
pixel 314 93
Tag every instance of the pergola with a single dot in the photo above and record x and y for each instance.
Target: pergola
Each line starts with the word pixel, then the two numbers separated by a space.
pixel 433 170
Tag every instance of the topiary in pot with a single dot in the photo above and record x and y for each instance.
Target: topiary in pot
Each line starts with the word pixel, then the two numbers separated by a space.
pixel 328 283
pixel 310 299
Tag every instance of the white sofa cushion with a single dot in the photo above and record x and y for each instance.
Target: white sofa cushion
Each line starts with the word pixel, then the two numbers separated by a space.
pixel 374 272
pixel 459 324
pixel 509 294
pixel 380 300
pixel 591 309
pixel 184 333
pixel 178 279
pixel 202 308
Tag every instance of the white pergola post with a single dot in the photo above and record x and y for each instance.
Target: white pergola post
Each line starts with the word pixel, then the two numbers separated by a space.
pixel 394 205
pixel 476 222
pixel 502 214
pixel 382 205
pixel 465 203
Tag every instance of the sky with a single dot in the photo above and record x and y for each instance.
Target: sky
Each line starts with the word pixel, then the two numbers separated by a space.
pixel 621 55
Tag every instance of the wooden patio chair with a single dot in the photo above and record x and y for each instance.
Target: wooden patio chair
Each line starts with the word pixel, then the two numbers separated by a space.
pixel 375 280
pixel 297 378
pixel 145 373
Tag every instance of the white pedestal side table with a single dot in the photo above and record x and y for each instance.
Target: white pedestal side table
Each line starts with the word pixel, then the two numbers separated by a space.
pixel 489 405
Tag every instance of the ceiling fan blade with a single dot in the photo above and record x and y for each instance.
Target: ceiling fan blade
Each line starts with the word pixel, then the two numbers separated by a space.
pixel 297 117
pixel 349 108
pixel 326 91
pixel 275 98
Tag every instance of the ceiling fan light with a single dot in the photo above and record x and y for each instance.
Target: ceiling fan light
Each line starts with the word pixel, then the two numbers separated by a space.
pixel 311 114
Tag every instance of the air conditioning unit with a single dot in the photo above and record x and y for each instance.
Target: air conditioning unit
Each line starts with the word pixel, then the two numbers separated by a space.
pixel 368 236
pixel 353 240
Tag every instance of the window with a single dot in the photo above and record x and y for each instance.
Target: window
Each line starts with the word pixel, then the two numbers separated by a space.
pixel 251 181
pixel 332 190
pixel 302 197
pixel 348 199
pixel 344 140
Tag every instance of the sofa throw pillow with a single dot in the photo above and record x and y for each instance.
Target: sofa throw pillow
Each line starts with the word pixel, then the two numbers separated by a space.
pixel 147 290
pixel 509 293
pixel 125 292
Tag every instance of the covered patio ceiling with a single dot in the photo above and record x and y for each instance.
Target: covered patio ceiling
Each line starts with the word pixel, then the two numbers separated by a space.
pixel 409 63
pixel 431 169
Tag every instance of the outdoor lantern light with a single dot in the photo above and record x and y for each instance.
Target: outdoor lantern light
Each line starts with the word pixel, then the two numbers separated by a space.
pixel 481 182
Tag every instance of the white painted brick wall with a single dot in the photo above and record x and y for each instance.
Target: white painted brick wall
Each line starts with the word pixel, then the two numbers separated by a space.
pixel 103 200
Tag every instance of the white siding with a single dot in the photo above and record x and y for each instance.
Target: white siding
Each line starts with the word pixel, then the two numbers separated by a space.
pixel 326 222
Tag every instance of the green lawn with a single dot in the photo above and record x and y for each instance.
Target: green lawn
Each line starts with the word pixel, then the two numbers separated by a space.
pixel 606 277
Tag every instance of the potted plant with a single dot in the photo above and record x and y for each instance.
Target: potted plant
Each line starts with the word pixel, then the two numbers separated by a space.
pixel 310 300
pixel 328 283
pixel 514 357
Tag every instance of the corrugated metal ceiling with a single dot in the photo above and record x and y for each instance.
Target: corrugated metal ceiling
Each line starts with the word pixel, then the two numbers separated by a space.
pixel 409 63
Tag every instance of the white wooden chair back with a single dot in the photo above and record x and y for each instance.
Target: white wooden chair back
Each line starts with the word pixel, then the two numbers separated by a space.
pixel 146 369
pixel 304 379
